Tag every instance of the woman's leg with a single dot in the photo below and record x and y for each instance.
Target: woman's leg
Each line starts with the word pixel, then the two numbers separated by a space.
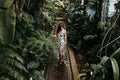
pixel 63 54
pixel 60 54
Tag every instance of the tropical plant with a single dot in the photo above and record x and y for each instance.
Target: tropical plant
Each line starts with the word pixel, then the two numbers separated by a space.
pixel 29 45
pixel 81 24
pixel 107 64
pixel 99 71
pixel 6 3
pixel 11 65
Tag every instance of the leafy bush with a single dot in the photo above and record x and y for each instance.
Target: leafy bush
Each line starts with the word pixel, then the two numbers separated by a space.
pixel 29 51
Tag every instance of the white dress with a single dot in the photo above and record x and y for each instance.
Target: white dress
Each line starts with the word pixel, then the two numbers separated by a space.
pixel 61 43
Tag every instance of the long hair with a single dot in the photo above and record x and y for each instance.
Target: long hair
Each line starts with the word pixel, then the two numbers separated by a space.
pixel 59 27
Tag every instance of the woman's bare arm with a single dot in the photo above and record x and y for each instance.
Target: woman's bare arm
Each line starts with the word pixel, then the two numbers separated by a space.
pixel 65 37
pixel 53 35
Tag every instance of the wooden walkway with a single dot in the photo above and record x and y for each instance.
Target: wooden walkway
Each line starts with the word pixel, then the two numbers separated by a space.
pixel 58 72
pixel 63 72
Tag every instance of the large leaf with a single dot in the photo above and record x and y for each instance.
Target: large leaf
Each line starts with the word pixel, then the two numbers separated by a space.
pixel 115 53
pixel 7 25
pixel 104 60
pixel 6 3
pixel 115 68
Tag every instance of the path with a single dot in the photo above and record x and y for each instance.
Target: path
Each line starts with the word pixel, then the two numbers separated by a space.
pixel 63 72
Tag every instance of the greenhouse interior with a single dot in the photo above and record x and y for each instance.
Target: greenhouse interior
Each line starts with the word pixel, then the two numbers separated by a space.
pixel 59 39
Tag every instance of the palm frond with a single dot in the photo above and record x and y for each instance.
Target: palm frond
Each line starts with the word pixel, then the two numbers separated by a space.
pixel 7 30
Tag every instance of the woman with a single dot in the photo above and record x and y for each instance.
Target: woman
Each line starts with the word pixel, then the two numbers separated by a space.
pixel 61 42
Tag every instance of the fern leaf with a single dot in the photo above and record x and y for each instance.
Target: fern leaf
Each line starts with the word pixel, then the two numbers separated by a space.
pixel 10 72
pixel 10 53
pixel 15 63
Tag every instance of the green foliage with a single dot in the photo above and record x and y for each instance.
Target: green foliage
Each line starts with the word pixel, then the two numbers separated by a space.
pixel 33 6
pixel 53 8
pixel 4 78
pixel 11 62
pixel 40 50
pixel 37 75
pixel 81 24
pixel 32 65
pixel 115 68
pixel 100 69
pixel 91 55
pixel 6 3
pixel 115 53
pixel 81 27
pixel 104 60
pixel 7 25
pixel 29 45
pixel 36 46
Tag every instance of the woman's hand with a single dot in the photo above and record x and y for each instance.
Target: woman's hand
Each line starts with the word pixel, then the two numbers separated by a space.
pixel 52 35
pixel 65 43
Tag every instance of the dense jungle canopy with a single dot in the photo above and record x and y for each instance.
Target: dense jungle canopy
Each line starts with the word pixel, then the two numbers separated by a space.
pixel 92 28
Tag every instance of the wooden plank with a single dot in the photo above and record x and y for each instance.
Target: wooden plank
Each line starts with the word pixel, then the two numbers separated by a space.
pixel 73 64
